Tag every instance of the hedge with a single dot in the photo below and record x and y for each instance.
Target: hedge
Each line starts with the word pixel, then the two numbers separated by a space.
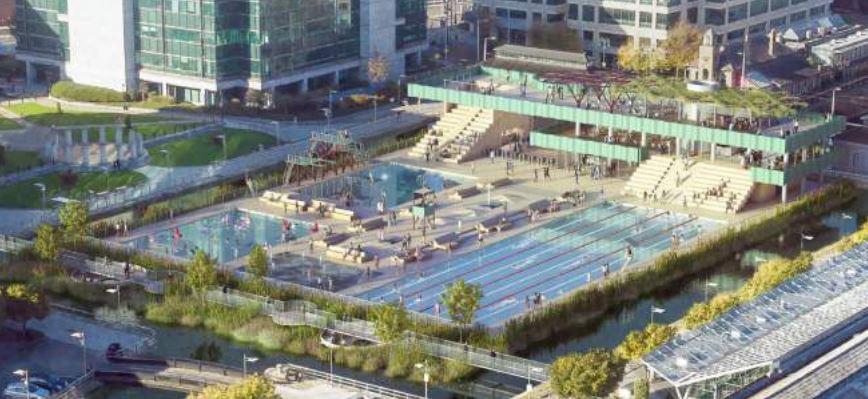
pixel 78 92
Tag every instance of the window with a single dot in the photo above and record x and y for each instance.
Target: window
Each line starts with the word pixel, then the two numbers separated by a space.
pixel 778 4
pixel 798 16
pixel 588 35
pixel 502 12
pixel 737 13
pixel 794 2
pixel 818 10
pixel 758 7
pixel 645 19
pixel 714 17
pixel 555 2
pixel 554 17
pixel 588 13
pixel 778 22
pixel 735 35
pixel 573 12
pixel 518 14
pixel 646 1
pixel 757 28
pixel 692 15
pixel 665 21
pixel 617 16
pixel 669 3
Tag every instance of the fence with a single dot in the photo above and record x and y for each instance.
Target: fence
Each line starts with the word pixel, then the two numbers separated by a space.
pixel 31 174
pixel 13 244
pixel 189 133
pixel 353 385
pixel 75 388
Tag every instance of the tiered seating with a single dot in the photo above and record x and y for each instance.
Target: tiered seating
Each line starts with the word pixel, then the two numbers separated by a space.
pixel 456 150
pixel 457 124
pixel 734 184
pixel 648 176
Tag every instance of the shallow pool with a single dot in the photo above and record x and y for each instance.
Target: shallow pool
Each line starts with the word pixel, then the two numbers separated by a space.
pixel 551 260
pixel 393 181
pixel 225 236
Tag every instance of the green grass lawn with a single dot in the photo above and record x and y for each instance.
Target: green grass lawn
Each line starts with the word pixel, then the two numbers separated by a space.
pixel 148 131
pixel 26 195
pixel 17 161
pixel 203 150
pixel 8 124
pixel 46 116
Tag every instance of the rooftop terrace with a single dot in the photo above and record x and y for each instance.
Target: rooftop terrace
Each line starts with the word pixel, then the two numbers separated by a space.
pixel 775 326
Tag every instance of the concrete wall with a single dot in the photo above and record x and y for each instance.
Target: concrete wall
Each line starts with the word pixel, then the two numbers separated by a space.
pixel 378 35
pixel 853 157
pixel 101 44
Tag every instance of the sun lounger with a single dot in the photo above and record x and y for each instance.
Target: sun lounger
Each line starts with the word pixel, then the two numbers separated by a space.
pixel 465 192
pixel 446 241
pixel 497 223
pixel 539 205
pixel 494 183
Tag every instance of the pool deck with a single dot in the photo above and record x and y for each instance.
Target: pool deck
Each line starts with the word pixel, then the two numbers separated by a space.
pixel 517 195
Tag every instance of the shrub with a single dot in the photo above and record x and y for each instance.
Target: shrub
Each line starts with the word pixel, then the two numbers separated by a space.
pixel 77 92
pixel 590 374
pixel 639 343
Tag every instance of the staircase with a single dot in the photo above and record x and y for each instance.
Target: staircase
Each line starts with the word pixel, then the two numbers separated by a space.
pixel 455 133
pixel 689 184
pixel 648 176
pixel 737 187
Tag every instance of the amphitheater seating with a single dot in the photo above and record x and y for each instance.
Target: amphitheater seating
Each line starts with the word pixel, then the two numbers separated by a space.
pixel 648 177
pixel 455 133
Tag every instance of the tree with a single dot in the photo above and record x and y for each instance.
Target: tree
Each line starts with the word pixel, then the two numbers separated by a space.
pixel 46 244
pixel 636 59
pixel 73 217
pixel 640 388
pixel 23 304
pixel 257 261
pixel 640 343
pixel 585 375
pixel 390 322
pixel 681 46
pixel 554 36
pixel 253 387
pixel 378 68
pixel 207 352
pixel 201 273
pixel 462 301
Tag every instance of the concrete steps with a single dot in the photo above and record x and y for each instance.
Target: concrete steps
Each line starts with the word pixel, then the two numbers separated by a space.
pixel 455 126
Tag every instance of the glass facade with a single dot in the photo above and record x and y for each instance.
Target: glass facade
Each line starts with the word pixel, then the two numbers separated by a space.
pixel 39 30
pixel 413 30
pixel 247 38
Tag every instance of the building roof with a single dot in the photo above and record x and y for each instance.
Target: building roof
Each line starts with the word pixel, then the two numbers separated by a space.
pixel 808 28
pixel 854 134
pixel 780 70
pixel 773 326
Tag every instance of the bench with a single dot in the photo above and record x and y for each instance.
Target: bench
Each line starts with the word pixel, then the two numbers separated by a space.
pixel 498 223
pixel 369 225
pixel 465 192
pixel 330 240
pixel 445 242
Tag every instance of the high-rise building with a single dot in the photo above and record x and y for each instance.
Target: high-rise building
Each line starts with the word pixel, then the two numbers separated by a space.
pixel 604 25
pixel 198 50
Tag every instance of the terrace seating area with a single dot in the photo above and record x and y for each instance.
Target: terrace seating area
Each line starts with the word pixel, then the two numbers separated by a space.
pixel 714 187
pixel 453 136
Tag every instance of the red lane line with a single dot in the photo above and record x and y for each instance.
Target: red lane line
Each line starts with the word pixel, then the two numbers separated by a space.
pixel 498 259
pixel 562 253
pixel 576 267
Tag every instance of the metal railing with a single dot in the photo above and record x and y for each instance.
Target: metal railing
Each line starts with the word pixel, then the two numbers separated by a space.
pixel 71 390
pixel 306 313
pixel 353 385
pixel 13 244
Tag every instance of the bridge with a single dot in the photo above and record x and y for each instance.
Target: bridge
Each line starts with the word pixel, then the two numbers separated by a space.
pixel 296 313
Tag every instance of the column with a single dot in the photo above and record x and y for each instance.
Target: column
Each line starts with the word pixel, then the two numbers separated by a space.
pixel 578 129
pixel 304 85
pixel 67 151
pixel 336 79
pixel 786 160
pixel 133 145
pixel 102 154
pixel 784 194
pixel 678 147
pixel 84 136
pixel 644 142
pixel 119 136
pixel 713 151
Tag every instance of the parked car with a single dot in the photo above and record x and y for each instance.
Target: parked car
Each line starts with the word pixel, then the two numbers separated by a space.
pixel 18 390
pixel 48 382
pixel 114 351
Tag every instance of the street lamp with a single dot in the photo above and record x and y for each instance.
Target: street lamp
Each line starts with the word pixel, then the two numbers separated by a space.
pixel 655 310
pixel 485 47
pixel 222 138
pixel 832 111
pixel 709 284
pixel 276 125
pixel 400 87
pixel 426 376
pixel 166 154
pixel 374 97
pixel 116 290
pixel 79 335
pixel 328 114
pixel 41 188
pixel 26 374
pixel 331 102
pixel 247 359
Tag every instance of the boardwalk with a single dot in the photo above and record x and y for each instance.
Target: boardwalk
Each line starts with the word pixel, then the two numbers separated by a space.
pixel 293 313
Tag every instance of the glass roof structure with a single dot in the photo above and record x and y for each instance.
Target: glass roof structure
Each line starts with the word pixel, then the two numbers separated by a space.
pixel 775 326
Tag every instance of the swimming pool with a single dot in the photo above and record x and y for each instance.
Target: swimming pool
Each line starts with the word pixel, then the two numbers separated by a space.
pixel 552 259
pixel 225 236
pixel 394 181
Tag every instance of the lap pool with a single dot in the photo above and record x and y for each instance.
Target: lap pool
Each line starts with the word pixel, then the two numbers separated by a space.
pixel 225 236
pixel 394 181
pixel 552 260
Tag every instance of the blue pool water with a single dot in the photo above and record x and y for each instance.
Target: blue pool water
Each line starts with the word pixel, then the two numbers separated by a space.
pixel 393 181
pixel 552 259
pixel 225 236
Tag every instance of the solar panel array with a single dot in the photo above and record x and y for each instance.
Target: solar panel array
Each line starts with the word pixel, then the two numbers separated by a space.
pixel 774 324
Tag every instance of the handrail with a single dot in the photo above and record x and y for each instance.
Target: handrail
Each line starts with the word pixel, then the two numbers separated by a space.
pixel 69 391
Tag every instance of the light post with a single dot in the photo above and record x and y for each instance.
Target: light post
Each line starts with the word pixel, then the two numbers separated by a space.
pixel 485 47
pixel 709 284
pixel 832 111
pixel 116 290
pixel 79 335
pixel 803 238
pixel 655 310
pixel 247 359
pixel 331 103
pixel 328 114
pixel 41 188
pixel 222 138
pixel 166 154
pixel 374 97
pixel 426 376
pixel 26 374
pixel 400 87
